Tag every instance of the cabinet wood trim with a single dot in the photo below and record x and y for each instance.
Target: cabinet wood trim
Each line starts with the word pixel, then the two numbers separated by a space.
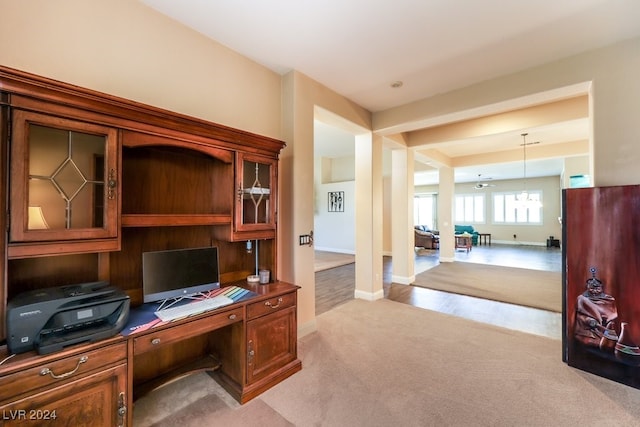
pixel 137 139
pixel 159 220
pixel 126 114
pixel 28 250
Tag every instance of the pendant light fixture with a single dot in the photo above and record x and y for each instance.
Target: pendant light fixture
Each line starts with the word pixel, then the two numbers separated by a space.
pixel 524 197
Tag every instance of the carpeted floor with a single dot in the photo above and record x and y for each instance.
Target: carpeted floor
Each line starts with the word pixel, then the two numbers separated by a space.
pixel 384 363
pixel 191 400
pixel 531 288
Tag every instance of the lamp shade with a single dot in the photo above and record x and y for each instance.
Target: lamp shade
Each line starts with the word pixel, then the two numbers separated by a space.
pixel 36 219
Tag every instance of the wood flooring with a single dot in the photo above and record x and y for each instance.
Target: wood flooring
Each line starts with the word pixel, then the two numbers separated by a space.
pixel 337 285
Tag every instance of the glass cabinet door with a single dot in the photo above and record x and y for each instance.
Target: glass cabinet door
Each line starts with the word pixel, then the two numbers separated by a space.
pixel 63 179
pixel 256 176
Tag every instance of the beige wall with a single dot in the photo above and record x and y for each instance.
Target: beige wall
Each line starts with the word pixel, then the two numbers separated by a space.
pixel 125 48
pixel 579 165
pixel 615 92
pixel 303 99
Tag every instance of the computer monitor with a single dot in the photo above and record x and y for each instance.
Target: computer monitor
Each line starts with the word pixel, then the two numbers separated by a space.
pixel 179 273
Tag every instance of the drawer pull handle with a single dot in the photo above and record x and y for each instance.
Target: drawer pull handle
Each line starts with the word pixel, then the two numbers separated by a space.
pixel 155 341
pixel 232 317
pixel 47 371
pixel 268 303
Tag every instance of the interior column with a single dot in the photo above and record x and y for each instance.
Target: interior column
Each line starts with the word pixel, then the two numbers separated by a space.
pixel 402 234
pixel 446 191
pixel 368 225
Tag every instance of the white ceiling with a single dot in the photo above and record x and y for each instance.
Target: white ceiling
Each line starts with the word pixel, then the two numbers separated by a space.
pixel 359 48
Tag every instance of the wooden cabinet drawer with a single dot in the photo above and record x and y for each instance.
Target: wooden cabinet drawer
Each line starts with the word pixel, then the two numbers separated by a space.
pixel 57 372
pixel 153 340
pixel 96 400
pixel 271 305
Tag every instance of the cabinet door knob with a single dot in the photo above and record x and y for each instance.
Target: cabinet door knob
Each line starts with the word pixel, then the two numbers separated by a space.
pixel 250 352
pixel 232 316
pixel 122 409
pixel 155 341
pixel 111 184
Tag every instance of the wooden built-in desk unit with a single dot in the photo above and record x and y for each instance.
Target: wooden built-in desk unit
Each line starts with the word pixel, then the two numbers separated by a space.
pixel 91 182
pixel 238 344
pixel 250 345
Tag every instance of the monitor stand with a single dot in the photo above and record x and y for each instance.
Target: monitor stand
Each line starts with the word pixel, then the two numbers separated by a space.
pixel 170 302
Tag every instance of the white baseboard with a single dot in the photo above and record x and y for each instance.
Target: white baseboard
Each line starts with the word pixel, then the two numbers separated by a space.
pixel 369 296
pixel 519 243
pixel 403 280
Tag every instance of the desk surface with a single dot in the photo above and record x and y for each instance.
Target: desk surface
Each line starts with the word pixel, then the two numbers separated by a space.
pixel 143 318
pixel 225 342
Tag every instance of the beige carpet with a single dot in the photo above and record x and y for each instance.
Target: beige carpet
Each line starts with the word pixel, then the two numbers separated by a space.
pixel 531 288
pixel 192 399
pixel 385 364
pixel 326 260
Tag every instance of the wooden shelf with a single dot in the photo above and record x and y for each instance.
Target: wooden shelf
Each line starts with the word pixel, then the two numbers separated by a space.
pixel 39 249
pixel 168 220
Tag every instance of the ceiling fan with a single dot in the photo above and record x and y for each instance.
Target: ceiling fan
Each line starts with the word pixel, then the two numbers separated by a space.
pixel 480 185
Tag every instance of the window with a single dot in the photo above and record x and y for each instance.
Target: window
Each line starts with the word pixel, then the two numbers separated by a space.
pixel 469 208
pixel 424 210
pixel 507 209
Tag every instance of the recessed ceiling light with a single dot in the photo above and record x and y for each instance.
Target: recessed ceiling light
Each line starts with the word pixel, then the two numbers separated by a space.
pixel 396 84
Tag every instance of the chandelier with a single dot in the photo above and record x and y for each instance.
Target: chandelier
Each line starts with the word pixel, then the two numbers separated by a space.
pixel 524 198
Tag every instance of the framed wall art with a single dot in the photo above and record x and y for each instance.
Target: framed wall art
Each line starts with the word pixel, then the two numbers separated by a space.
pixel 336 201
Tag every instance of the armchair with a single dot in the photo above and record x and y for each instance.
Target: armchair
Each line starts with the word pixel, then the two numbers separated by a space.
pixel 425 238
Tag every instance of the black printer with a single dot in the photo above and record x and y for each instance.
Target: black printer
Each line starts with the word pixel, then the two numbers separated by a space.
pixel 51 319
